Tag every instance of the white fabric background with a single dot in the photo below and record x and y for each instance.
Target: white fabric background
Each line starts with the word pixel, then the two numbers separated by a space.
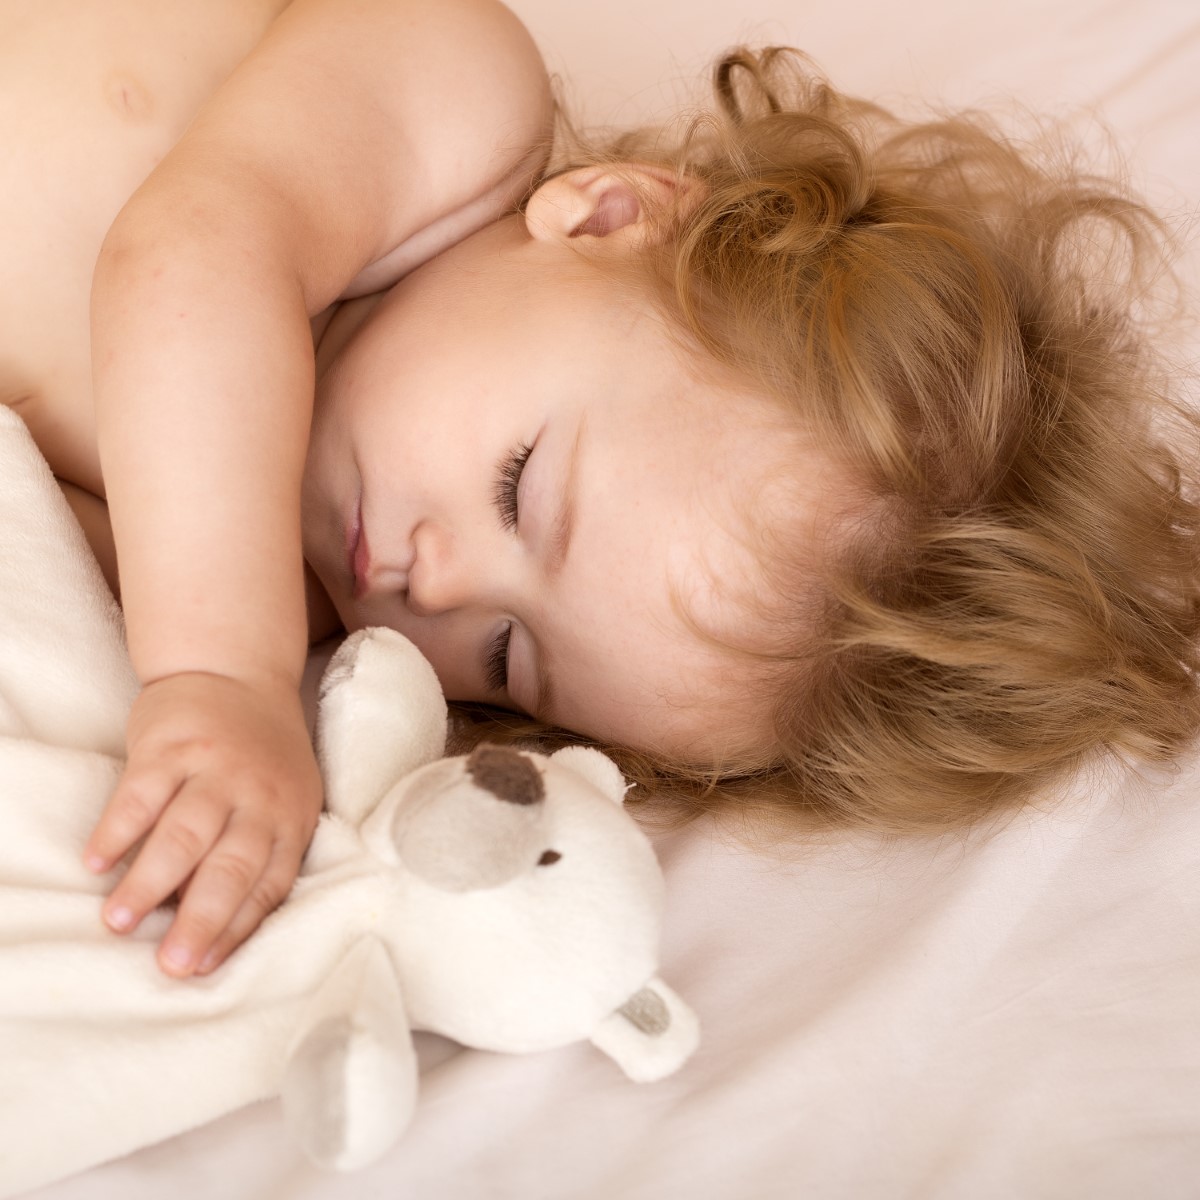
pixel 999 1015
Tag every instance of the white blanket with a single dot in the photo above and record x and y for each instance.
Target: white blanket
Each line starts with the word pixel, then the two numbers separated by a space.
pixel 54 595
pixel 86 1017
pixel 1005 1015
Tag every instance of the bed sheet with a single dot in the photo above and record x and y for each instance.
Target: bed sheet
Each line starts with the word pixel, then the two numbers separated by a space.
pixel 1013 1012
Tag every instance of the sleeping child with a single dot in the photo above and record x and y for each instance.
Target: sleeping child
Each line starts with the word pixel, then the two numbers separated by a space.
pixel 811 460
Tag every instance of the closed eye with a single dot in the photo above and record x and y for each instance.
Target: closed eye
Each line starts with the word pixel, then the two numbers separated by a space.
pixel 495 663
pixel 508 480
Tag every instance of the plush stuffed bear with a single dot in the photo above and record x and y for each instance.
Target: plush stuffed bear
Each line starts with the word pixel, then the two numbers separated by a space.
pixel 513 905
pixel 502 899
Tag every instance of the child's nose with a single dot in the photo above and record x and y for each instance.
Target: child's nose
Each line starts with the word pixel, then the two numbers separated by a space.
pixel 446 573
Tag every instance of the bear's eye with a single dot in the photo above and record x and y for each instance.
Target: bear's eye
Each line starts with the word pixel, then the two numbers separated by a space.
pixel 549 858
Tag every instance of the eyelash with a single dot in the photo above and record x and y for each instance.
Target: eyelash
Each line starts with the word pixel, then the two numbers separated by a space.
pixel 508 478
pixel 496 660
pixel 504 495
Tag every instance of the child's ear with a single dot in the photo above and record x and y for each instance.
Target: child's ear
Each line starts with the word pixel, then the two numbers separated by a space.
pixel 624 202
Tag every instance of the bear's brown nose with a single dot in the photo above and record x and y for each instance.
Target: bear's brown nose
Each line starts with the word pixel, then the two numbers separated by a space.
pixel 506 774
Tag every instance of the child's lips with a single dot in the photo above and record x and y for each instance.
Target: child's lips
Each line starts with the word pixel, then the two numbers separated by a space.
pixel 366 577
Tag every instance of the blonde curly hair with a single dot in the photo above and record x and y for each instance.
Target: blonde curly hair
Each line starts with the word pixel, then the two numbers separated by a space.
pixel 952 317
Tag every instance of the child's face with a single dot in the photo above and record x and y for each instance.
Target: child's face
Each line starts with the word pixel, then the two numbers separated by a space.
pixel 512 465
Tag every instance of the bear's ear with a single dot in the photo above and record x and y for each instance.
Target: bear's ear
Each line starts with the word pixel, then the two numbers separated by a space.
pixel 651 1035
pixel 381 714
pixel 598 769
pixel 350 1084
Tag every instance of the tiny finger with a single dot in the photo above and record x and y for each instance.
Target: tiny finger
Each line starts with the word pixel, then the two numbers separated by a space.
pixel 233 878
pixel 183 836
pixel 273 889
pixel 137 802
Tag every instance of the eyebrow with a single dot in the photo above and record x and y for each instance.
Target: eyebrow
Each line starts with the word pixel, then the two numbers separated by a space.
pixel 558 544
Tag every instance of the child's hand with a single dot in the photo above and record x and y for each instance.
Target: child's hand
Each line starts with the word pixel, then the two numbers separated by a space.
pixel 221 775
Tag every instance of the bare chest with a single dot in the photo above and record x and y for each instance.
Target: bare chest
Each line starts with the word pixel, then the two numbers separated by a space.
pixel 93 93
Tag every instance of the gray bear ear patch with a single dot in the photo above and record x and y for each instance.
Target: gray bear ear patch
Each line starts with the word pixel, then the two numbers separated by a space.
pixel 647 1012
pixel 506 774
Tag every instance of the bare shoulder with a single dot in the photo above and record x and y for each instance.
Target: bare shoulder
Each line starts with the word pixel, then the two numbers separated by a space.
pixel 476 110
pixel 370 135
pixel 449 100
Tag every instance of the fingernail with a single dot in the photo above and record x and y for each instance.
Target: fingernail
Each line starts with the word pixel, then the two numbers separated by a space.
pixel 208 962
pixel 119 918
pixel 94 862
pixel 180 957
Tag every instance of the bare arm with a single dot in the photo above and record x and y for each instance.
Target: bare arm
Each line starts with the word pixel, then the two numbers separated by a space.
pixel 349 131
pixel 335 147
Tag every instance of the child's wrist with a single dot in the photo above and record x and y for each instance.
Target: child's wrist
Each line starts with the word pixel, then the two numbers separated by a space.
pixel 267 658
pixel 257 679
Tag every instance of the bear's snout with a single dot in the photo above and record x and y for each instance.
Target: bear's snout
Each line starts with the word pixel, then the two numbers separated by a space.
pixel 476 823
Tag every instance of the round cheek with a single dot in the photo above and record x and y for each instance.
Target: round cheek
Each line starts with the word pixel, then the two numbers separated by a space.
pixel 458 680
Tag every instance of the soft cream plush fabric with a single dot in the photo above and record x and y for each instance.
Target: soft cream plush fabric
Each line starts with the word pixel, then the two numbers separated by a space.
pixel 1009 1014
pixel 78 696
